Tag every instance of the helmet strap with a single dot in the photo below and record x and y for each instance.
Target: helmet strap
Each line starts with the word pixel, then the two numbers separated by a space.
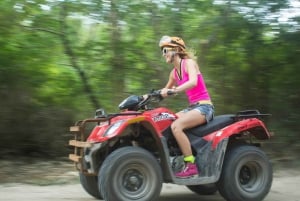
pixel 173 56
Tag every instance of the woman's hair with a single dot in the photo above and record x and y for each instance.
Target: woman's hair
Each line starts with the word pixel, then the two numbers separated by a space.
pixel 187 53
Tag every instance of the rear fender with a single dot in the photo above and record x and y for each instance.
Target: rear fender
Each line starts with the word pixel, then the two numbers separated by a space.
pixel 254 126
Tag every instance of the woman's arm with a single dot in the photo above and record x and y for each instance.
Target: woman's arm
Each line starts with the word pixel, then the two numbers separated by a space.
pixel 171 81
pixel 170 84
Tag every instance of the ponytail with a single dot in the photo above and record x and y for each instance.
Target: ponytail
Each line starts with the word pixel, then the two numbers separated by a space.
pixel 187 54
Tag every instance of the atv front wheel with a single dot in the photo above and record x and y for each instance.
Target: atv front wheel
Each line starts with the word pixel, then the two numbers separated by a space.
pixel 130 173
pixel 90 185
pixel 204 189
pixel 246 175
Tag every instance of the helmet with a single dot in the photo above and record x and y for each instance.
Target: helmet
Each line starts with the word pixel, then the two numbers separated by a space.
pixel 171 42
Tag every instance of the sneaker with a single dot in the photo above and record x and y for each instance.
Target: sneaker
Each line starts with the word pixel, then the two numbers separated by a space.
pixel 189 171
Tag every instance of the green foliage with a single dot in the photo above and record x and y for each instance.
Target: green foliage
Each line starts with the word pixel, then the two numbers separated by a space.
pixel 60 60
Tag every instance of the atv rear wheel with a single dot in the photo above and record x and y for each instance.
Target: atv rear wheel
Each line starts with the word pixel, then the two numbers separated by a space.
pixel 130 173
pixel 204 189
pixel 246 175
pixel 90 185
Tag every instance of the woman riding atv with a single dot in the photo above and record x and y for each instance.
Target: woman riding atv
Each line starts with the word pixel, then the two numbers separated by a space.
pixel 186 77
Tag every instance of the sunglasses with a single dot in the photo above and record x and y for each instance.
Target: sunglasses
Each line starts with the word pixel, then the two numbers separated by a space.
pixel 165 50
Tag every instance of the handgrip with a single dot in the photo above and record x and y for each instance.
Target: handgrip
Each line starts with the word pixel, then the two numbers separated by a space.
pixel 169 93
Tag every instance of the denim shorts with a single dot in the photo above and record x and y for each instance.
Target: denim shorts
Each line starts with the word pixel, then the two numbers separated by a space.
pixel 206 109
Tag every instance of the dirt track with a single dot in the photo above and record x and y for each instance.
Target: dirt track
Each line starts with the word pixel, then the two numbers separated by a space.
pixel 285 188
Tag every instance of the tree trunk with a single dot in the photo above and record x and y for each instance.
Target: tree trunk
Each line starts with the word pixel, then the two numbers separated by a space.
pixel 73 60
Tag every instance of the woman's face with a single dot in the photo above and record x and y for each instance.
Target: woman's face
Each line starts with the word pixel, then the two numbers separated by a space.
pixel 168 53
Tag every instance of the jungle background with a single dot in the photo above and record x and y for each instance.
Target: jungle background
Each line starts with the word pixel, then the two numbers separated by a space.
pixel 60 60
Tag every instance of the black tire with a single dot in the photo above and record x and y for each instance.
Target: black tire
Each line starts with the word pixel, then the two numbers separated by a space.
pixel 130 173
pixel 90 185
pixel 205 189
pixel 246 176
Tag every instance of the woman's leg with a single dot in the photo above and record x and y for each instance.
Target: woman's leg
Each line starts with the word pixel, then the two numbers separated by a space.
pixel 186 120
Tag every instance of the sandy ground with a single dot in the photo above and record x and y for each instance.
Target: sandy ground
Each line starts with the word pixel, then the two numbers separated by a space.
pixel 66 187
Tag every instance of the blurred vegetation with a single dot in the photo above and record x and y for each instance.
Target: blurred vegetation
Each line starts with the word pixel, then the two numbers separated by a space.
pixel 61 60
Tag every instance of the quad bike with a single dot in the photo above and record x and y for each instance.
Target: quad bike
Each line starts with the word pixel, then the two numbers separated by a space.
pixel 129 155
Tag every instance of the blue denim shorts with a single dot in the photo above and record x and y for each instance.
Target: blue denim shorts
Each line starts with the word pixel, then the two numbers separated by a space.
pixel 206 109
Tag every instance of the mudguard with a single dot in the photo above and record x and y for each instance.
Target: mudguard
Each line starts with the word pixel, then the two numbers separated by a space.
pixel 253 125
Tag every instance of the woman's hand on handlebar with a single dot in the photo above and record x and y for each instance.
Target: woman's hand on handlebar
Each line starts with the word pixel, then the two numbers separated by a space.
pixel 167 92
pixel 145 96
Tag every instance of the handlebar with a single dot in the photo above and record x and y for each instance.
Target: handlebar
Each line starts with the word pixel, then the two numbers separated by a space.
pixel 136 103
pixel 157 93
pixel 170 93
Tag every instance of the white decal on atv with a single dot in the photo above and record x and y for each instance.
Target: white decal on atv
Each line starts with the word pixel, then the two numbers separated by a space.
pixel 163 116
pixel 219 133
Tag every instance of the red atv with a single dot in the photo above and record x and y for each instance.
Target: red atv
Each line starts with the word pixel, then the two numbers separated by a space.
pixel 128 155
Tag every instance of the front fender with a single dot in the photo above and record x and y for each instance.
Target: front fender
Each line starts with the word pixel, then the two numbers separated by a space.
pixel 107 131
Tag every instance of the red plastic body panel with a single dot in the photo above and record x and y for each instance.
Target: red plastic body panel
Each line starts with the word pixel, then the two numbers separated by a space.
pixel 253 125
pixel 160 119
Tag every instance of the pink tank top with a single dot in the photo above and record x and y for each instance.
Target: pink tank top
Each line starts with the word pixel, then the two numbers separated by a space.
pixel 197 93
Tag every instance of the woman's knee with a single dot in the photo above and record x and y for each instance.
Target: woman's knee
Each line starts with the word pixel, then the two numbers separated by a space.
pixel 176 126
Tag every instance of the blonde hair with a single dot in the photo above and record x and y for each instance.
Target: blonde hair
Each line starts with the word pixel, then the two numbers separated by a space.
pixel 187 53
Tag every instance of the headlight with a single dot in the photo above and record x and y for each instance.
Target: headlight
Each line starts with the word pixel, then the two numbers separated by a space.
pixel 113 128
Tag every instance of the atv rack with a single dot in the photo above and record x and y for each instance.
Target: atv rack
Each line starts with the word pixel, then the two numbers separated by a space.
pixel 79 142
pixel 244 114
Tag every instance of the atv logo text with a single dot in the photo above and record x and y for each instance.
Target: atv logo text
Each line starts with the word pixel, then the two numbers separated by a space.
pixel 163 116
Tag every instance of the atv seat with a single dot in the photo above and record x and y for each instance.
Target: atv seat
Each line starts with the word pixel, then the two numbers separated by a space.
pixel 217 123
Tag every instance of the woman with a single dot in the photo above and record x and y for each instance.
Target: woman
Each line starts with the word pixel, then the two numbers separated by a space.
pixel 186 77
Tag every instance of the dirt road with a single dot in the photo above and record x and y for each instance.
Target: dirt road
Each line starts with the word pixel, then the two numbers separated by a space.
pixel 285 188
